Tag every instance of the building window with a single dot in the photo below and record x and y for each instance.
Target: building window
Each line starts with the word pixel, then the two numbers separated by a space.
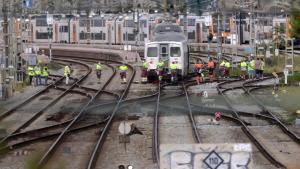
pixel 191 22
pixel 131 37
pixel 129 23
pixel 64 29
pixel 41 35
pixel 41 22
pixel 191 35
pixel 82 35
pixel 98 23
pixel 143 36
pixel 82 23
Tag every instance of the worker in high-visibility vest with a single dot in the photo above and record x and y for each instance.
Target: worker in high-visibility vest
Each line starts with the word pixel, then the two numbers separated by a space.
pixel 243 69
pixel 251 67
pixel 98 71
pixel 222 68
pixel 227 68
pixel 45 75
pixel 30 73
pixel 123 71
pixel 211 68
pixel 199 71
pixel 160 70
pixel 37 72
pixel 174 69
pixel 67 73
pixel 145 71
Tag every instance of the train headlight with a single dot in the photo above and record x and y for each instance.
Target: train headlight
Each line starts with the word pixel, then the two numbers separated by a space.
pixel 129 167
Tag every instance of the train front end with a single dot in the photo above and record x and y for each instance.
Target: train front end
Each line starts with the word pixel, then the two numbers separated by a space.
pixel 168 52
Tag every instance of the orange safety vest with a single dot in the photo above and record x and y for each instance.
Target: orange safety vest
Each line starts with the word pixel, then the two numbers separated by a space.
pixel 211 64
pixel 199 65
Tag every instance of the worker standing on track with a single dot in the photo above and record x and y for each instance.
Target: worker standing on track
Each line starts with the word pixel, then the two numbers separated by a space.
pixel 227 68
pixel 173 68
pixel 257 67
pixel 30 73
pixel 123 71
pixel 98 71
pixel 37 72
pixel 243 69
pixel 262 67
pixel 45 75
pixel 145 71
pixel 251 66
pixel 160 71
pixel 222 68
pixel 67 73
pixel 211 68
pixel 199 70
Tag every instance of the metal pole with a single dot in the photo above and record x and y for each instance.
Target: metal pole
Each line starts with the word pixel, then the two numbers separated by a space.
pixel 219 34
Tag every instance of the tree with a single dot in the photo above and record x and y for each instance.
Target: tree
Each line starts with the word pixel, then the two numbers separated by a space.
pixel 295 23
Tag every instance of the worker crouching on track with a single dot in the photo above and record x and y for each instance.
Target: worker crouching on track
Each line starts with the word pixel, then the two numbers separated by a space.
pixel 160 71
pixel 30 73
pixel 45 75
pixel 173 68
pixel 145 72
pixel 199 70
pixel 211 68
pixel 243 69
pixel 98 71
pixel 123 71
pixel 67 73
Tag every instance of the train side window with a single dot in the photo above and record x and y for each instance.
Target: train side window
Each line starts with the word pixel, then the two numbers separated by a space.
pixel 152 52
pixel 175 51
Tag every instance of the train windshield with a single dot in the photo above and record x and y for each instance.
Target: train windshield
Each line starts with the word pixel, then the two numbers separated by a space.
pixel 175 52
pixel 152 52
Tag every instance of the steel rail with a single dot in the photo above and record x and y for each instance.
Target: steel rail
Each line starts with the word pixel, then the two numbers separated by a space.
pixel 28 100
pixel 104 133
pixel 59 139
pixel 259 102
pixel 191 115
pixel 155 133
pixel 40 112
pixel 50 136
pixel 248 131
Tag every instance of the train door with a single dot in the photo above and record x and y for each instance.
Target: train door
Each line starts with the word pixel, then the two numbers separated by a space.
pixel 177 56
pixel 164 54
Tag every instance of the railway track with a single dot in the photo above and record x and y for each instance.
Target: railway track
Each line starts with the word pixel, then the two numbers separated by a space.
pixel 257 140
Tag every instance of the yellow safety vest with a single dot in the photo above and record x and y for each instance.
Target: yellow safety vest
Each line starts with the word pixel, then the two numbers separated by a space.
pixel 45 72
pixel 123 68
pixel 262 65
pixel 173 66
pixel 37 70
pixel 30 71
pixel 243 64
pixel 67 71
pixel 98 66
pixel 227 65
pixel 251 65
pixel 223 63
pixel 160 64
pixel 146 65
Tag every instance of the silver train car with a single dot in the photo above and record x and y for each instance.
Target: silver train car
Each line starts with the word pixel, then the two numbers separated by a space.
pixel 171 45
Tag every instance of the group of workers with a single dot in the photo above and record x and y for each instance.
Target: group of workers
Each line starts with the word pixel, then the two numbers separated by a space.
pixel 39 73
pixel 250 69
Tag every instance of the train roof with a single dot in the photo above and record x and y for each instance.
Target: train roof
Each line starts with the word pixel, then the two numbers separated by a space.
pixel 170 36
pixel 169 32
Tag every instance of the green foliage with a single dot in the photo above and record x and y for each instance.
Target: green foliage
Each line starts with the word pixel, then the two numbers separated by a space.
pixel 295 23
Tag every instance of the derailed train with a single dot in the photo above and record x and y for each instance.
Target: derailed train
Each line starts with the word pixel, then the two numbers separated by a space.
pixel 169 45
